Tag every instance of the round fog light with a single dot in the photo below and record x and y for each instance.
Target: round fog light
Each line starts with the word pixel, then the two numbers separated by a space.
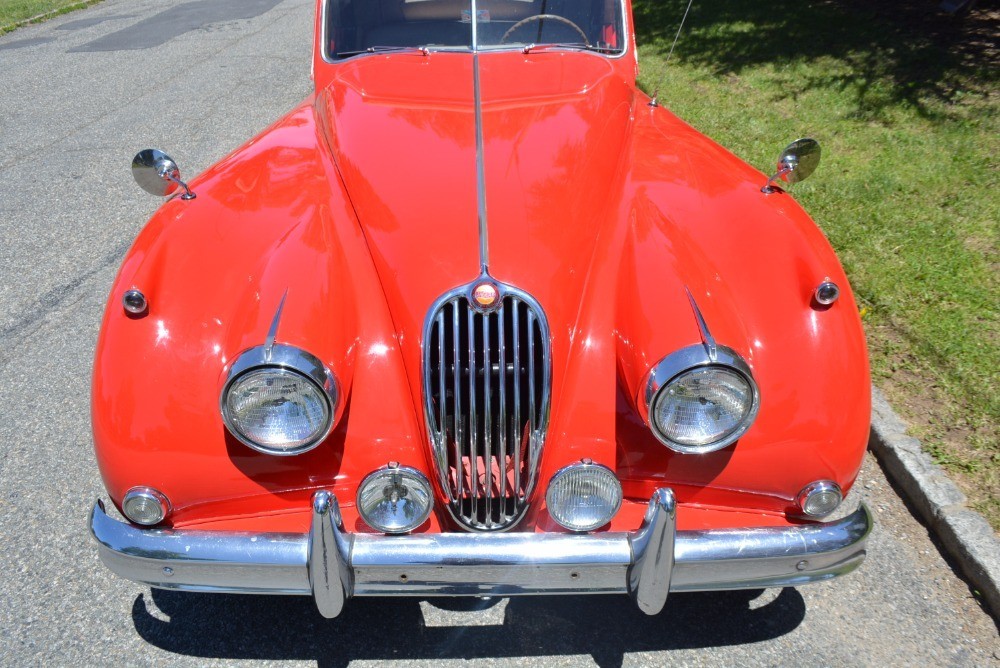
pixel 145 506
pixel 396 499
pixel 583 497
pixel 820 498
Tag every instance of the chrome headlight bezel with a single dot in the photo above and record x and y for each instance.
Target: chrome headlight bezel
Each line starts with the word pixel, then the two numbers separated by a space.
pixel 282 358
pixel 675 365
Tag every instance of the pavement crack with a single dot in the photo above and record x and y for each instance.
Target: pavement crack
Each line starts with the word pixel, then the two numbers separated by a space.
pixel 56 297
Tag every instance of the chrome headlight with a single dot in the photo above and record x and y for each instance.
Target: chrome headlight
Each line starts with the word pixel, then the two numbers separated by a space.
pixel 697 404
pixel 279 400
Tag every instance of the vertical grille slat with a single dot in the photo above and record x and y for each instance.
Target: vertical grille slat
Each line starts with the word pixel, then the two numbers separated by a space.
pixel 473 427
pixel 457 430
pixel 517 433
pixel 531 369
pixel 502 382
pixel 443 363
pixel 487 386
pixel 487 422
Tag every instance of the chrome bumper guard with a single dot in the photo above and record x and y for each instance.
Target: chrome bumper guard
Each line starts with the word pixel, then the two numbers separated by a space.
pixel 332 565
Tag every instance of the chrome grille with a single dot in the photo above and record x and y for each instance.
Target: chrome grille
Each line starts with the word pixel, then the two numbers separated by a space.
pixel 487 386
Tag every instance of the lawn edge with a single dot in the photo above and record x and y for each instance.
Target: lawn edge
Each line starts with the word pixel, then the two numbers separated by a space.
pixel 964 534
pixel 76 6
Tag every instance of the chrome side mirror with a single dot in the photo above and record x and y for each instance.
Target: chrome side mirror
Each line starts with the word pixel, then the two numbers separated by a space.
pixel 798 161
pixel 158 174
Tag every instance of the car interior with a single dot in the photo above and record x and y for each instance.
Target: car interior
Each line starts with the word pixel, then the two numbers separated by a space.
pixel 356 25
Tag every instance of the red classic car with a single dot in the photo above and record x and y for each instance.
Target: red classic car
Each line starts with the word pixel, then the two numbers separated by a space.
pixel 479 317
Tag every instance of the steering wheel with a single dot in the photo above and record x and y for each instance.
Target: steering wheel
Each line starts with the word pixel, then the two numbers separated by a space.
pixel 544 17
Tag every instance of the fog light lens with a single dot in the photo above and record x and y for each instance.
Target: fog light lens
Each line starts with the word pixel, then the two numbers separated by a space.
pixel 396 499
pixel 820 498
pixel 583 497
pixel 145 505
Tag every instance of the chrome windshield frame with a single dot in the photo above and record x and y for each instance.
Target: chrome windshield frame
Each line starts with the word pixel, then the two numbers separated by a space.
pixel 474 48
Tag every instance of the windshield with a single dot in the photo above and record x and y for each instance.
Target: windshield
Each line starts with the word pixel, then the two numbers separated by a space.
pixel 357 26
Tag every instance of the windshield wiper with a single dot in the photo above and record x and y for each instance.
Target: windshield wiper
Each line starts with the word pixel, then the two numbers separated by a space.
pixel 422 50
pixel 580 46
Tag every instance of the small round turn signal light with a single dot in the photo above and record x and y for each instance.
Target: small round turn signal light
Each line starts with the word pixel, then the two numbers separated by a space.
pixel 145 506
pixel 820 498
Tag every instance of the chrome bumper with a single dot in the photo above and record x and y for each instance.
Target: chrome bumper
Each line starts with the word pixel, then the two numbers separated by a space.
pixel 332 565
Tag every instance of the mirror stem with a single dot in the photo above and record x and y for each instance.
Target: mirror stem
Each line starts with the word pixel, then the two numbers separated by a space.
pixel 188 194
pixel 768 188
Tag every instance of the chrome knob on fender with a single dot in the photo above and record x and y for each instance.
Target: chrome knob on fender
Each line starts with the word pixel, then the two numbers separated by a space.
pixel 827 293
pixel 134 302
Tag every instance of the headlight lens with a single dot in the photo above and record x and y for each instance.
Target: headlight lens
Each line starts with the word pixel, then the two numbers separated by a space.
pixel 276 410
pixel 704 409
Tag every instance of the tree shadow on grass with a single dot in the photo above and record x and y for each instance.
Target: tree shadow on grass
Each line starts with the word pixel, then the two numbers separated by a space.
pixel 215 626
pixel 887 53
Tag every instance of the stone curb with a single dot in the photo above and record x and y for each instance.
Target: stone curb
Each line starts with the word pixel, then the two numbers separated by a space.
pixel 965 535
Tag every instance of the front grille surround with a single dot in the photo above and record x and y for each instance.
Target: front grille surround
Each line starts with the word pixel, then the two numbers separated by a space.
pixel 486 429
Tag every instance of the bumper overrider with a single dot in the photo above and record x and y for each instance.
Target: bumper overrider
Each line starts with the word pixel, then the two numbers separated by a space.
pixel 332 565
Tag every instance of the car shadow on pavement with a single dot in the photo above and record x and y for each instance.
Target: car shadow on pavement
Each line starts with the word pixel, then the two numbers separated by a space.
pixel 606 627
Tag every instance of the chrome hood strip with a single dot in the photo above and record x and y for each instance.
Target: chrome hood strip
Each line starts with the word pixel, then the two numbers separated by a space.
pixel 477 102
pixel 706 336
pixel 484 250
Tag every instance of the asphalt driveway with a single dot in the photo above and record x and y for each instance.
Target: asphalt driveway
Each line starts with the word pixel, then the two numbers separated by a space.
pixel 79 95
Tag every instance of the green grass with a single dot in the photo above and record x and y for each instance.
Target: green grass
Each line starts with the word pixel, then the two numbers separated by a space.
pixel 904 103
pixel 15 13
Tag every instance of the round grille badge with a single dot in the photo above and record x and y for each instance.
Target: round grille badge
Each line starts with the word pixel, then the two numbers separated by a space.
pixel 485 295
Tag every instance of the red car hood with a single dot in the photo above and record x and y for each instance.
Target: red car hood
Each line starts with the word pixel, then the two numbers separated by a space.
pixel 402 132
